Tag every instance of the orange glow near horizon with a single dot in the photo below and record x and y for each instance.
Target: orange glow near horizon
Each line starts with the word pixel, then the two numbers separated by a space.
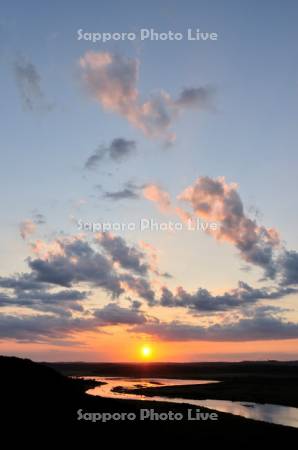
pixel 122 348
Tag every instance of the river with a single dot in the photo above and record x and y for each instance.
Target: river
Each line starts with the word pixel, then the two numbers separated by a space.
pixel 282 415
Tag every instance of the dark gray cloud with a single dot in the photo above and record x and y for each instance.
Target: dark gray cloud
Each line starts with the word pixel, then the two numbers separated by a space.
pixel 261 328
pixel 200 97
pixel 77 262
pixel 202 300
pixel 40 328
pixel 128 257
pixel 61 303
pixel 38 218
pixel 21 282
pixel 113 314
pixel 288 267
pixel 80 263
pixel 121 148
pixel 135 304
pixel 29 84
pixel 123 194
pixel 141 287
pixel 46 328
pixel 130 191
pixel 118 150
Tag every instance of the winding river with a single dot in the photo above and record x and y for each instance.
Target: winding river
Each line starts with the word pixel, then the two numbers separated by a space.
pixel 282 415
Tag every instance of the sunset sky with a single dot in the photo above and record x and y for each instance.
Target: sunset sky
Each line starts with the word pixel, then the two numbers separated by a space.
pixel 127 132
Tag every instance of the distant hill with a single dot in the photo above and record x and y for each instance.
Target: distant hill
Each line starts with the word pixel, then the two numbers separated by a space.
pixel 209 370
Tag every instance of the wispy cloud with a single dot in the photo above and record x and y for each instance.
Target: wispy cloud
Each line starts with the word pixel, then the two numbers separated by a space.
pixel 128 191
pixel 162 199
pixel 27 228
pixel 118 150
pixel 29 84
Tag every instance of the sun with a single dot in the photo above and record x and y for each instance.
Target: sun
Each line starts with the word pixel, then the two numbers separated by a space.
pixel 146 351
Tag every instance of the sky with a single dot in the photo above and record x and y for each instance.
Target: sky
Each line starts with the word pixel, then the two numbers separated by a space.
pixel 149 187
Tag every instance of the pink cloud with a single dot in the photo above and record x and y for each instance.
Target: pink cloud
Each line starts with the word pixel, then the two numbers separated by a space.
pixel 163 201
pixel 155 194
pixel 27 227
pixel 112 81
pixel 216 200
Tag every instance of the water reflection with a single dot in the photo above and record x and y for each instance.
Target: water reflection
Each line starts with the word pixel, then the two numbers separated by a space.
pixel 282 415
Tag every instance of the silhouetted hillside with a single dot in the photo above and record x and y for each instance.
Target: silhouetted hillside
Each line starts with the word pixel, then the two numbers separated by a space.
pixel 31 386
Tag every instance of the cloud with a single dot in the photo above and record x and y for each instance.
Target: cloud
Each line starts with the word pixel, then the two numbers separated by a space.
pixel 47 249
pixel 215 200
pixel 113 314
pixel 21 282
pixel 262 325
pixel 129 192
pixel 259 328
pixel 119 268
pixel 288 267
pixel 155 194
pixel 125 269
pixel 112 81
pixel 29 84
pixel 60 303
pixel 38 218
pixel 203 301
pixel 50 328
pixel 195 97
pixel 162 199
pixel 27 228
pixel 79 263
pixel 40 328
pixel 152 254
pixel 118 150
pixel 71 261
pixel 127 257
pixel 139 286
pixel 123 194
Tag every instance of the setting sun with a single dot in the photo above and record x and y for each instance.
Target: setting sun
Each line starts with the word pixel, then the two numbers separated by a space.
pixel 146 351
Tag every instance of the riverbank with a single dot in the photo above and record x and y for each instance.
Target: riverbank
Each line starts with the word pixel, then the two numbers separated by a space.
pixel 277 391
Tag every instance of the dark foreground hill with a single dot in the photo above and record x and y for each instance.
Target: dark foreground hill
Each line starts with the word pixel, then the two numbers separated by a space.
pixel 37 398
